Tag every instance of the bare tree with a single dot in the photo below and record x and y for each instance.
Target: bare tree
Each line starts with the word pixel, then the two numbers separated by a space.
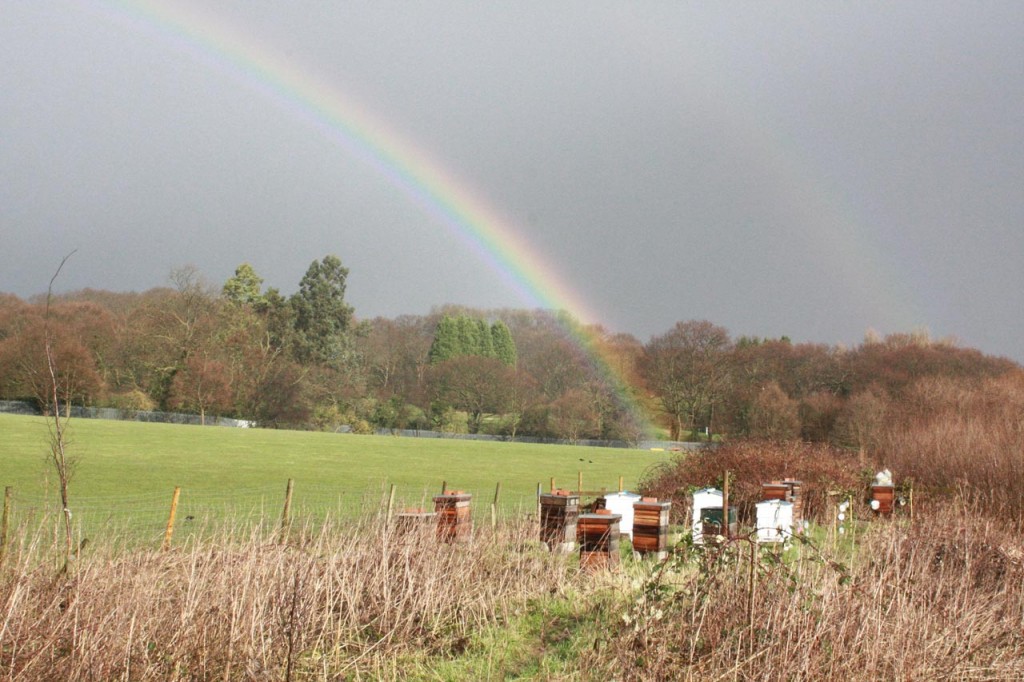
pixel 58 425
pixel 687 368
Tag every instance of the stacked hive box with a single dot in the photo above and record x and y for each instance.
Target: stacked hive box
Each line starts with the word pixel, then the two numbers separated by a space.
pixel 775 490
pixel 559 512
pixel 884 495
pixel 598 536
pixel 650 527
pixel 795 488
pixel 774 521
pixel 620 503
pixel 786 491
pixel 453 515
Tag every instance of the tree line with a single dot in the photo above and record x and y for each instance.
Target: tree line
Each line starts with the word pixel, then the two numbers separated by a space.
pixel 307 361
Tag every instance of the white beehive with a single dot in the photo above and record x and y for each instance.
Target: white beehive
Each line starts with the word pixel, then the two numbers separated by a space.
pixel 705 498
pixel 774 521
pixel 622 504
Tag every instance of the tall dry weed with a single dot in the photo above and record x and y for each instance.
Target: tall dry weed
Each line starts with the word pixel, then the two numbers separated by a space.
pixel 338 602
pixel 942 600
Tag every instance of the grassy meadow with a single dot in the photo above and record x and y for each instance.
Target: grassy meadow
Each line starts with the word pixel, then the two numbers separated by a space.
pixel 128 467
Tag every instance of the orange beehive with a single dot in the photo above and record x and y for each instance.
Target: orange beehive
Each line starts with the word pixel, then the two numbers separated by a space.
pixel 598 537
pixel 775 490
pixel 884 495
pixel 453 515
pixel 559 512
pixel 795 487
pixel 650 527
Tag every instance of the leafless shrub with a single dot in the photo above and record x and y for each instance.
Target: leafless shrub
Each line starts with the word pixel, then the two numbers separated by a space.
pixel 821 468
pixel 959 438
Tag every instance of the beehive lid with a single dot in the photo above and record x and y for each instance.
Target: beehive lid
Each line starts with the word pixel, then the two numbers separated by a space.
pixel 651 503
pixel 602 515
pixel 457 495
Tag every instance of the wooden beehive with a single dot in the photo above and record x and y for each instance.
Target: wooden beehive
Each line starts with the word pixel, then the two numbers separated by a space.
pixel 775 490
pixel 453 515
pixel 598 537
pixel 797 498
pixel 559 513
pixel 409 520
pixel 650 527
pixel 885 495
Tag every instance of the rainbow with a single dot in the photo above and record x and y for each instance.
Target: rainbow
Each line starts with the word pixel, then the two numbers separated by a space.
pixel 451 202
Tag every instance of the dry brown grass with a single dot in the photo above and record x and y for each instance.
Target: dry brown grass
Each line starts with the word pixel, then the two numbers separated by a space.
pixel 343 603
pixel 939 601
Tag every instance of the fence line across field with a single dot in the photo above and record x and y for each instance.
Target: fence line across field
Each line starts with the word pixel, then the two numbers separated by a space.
pixel 144 518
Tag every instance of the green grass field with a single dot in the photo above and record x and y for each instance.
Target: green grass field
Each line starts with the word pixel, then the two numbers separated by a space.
pixel 127 471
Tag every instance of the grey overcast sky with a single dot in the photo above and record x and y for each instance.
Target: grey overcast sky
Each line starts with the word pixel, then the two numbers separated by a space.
pixel 779 168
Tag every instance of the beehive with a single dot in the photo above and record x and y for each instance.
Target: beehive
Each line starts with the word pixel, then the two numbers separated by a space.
pixel 774 521
pixel 650 527
pixel 775 490
pixel 620 503
pixel 598 537
pixel 559 513
pixel 884 495
pixel 707 515
pixel 797 498
pixel 711 523
pixel 453 515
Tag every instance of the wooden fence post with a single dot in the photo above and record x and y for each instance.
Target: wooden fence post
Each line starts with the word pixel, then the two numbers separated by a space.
pixel 552 484
pixel 725 506
pixel 286 513
pixel 538 500
pixel 579 483
pixel 444 487
pixel 494 505
pixel 170 519
pixel 620 484
pixel 5 523
pixel 391 501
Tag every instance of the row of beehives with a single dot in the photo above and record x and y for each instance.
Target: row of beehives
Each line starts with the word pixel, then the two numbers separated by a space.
pixel 644 520
pixel 779 514
pixel 564 526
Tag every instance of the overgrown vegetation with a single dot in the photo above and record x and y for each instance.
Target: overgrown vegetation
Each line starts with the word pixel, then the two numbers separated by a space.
pixel 339 601
pixel 937 600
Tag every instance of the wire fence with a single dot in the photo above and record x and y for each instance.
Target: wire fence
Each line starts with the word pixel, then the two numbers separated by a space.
pixel 143 519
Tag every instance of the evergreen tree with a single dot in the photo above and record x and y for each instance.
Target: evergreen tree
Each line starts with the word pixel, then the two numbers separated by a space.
pixel 467 336
pixel 502 343
pixel 484 344
pixel 322 317
pixel 244 287
pixel 446 341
